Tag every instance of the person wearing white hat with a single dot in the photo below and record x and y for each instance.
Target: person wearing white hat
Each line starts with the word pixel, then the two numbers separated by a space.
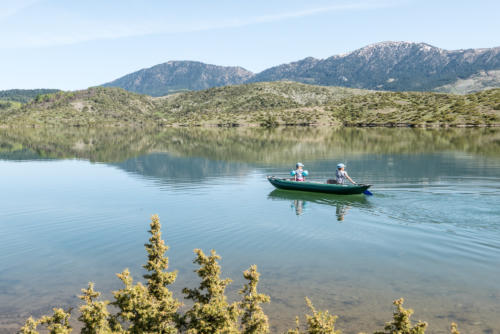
pixel 342 175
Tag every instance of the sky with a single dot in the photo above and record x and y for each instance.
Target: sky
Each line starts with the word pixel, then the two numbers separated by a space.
pixel 77 44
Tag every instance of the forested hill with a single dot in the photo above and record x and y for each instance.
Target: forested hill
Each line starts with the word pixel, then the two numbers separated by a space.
pixel 175 76
pixel 23 95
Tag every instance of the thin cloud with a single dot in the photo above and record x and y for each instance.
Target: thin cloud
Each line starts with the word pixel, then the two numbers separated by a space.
pixel 8 9
pixel 92 31
pixel 234 23
pixel 314 11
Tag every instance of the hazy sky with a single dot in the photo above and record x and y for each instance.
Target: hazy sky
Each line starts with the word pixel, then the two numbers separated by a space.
pixel 77 44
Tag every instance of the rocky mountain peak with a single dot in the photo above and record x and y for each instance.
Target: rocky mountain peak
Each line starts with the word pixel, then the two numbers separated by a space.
pixel 393 49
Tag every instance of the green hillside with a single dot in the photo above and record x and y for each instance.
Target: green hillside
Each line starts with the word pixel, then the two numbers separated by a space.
pixel 91 107
pixel 23 95
pixel 389 108
pixel 255 104
pixel 14 98
pixel 258 104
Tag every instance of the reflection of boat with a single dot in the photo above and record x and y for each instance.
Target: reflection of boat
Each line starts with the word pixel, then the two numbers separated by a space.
pixel 299 200
pixel 318 198
pixel 339 189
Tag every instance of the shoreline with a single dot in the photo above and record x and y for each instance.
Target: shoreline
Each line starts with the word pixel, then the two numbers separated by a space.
pixel 253 125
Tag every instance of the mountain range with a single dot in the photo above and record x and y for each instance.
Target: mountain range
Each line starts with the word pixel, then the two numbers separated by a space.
pixel 391 66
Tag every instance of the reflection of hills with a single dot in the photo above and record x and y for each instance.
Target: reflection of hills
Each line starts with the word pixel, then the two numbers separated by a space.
pixel 283 145
pixel 94 144
pixel 19 155
pixel 249 145
pixel 172 169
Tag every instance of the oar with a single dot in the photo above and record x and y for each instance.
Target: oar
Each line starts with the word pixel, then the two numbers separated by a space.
pixel 367 192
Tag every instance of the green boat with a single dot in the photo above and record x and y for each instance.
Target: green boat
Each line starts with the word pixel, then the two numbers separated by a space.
pixel 339 189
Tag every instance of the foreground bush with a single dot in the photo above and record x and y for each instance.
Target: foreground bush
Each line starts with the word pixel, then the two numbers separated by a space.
pixel 152 308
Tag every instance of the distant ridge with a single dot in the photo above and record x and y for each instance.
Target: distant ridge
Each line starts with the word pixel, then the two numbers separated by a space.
pixel 393 66
pixel 175 76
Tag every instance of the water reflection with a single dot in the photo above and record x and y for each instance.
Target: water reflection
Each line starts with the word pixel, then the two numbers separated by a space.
pixel 170 169
pixel 299 206
pixel 249 145
pixel 341 211
pixel 299 201
pixel 430 233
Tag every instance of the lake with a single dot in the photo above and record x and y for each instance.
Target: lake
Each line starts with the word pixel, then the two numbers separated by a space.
pixel 75 207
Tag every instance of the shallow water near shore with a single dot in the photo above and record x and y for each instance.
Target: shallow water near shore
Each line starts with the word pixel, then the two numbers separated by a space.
pixel 75 207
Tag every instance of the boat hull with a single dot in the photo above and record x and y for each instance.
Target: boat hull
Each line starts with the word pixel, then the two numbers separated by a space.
pixel 339 189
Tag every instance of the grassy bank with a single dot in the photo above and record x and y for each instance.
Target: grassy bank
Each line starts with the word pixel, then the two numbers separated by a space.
pixel 259 104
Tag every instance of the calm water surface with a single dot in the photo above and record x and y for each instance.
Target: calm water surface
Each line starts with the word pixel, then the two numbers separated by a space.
pixel 75 207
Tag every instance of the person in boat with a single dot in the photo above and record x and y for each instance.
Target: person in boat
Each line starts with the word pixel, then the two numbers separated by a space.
pixel 299 174
pixel 341 175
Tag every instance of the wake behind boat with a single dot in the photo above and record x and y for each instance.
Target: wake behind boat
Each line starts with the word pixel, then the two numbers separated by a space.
pixel 339 189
